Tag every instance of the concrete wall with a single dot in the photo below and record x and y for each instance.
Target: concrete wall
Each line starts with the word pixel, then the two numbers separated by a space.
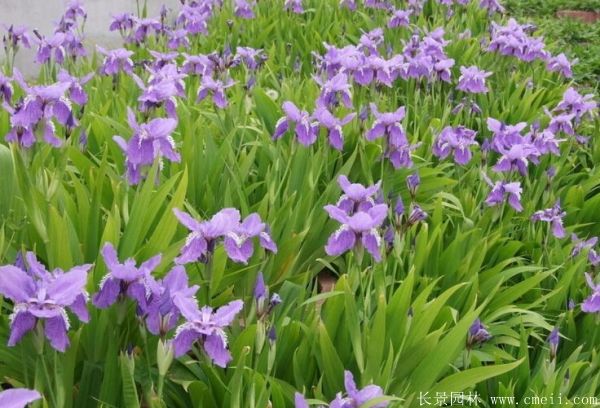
pixel 43 14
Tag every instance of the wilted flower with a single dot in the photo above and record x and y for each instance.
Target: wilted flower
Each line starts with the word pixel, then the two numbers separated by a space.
pixel 359 229
pixel 592 303
pixel 225 225
pixel 478 334
pixel 40 295
pixel 205 325
pixel 472 80
pixel 305 129
pixel 126 279
pixel 18 397
pixel 553 216
pixel 455 140
pixel 150 141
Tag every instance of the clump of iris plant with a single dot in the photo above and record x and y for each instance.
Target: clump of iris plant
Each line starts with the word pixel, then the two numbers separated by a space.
pixel 41 299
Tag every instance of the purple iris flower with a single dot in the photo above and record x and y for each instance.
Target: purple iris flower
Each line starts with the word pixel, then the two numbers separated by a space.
pixel 334 90
pixel 6 89
pixel 412 182
pixel 150 141
pixel 305 128
pixel 562 122
pixel 417 214
pixel 178 39
pixel 76 92
pixel 472 80
pixel 546 142
pixel 370 41
pixel 18 397
pixel 575 103
pixel 122 22
pixel 553 216
pixel 354 397
pixel 164 85
pixel 115 61
pixel 126 280
pixel 194 17
pixel 505 136
pixel 40 107
pixel 517 157
pixel 582 244
pixel 237 236
pixel 144 28
pixel 260 290
pixel 400 18
pixel 243 9
pixel 493 6
pixel 503 191
pixel 592 303
pixel 294 6
pixel 198 64
pixel 207 326
pixel 15 37
pixel 359 229
pixel 560 64
pixel 251 57
pixel 478 334
pixel 389 124
pixel 333 125
pixel 513 40
pixel 162 59
pixel 51 47
pixel 377 4
pixel 161 313
pixel 238 241
pixel 455 140
pixel 356 197
pixel 39 295
pixel 75 9
pixel 216 88
pixel 349 4
pixel 553 341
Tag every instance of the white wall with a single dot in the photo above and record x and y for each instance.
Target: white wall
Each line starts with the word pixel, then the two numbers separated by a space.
pixel 43 14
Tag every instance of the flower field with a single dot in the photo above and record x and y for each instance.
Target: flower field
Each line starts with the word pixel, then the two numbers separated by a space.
pixel 294 203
